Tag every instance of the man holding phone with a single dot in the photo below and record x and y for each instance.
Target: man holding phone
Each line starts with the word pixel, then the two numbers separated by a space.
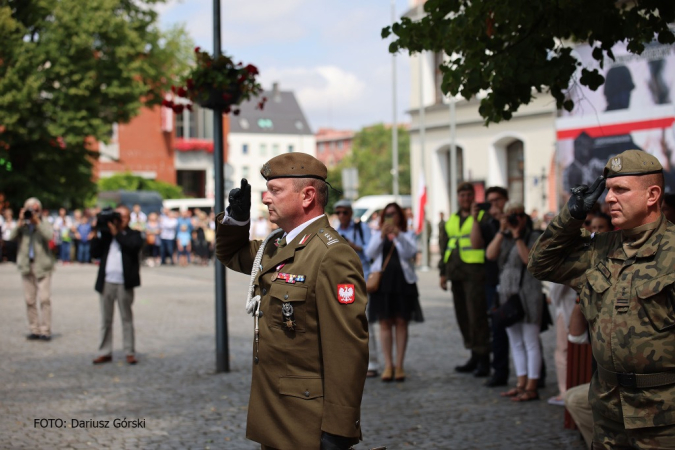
pixel 482 234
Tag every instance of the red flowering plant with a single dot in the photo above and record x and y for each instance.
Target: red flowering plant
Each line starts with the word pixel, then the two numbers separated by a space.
pixel 217 83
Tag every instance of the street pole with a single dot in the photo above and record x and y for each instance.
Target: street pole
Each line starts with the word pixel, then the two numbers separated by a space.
pixel 222 347
pixel 453 157
pixel 394 125
pixel 425 232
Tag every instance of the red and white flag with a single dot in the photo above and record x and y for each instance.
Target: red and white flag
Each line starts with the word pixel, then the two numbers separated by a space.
pixel 421 203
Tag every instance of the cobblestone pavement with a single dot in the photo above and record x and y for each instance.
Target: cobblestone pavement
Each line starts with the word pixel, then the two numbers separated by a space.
pixel 183 404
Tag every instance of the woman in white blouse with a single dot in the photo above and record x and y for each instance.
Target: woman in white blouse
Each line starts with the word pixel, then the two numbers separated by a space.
pixel 396 302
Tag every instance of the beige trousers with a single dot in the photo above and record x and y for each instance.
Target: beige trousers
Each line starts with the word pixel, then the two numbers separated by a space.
pixel 125 298
pixel 560 353
pixel 40 322
pixel 576 402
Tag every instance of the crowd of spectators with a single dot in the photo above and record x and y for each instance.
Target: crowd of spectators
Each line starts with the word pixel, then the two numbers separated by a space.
pixel 172 237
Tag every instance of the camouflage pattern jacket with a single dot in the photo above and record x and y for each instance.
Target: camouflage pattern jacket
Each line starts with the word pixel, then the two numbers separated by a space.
pixel 628 303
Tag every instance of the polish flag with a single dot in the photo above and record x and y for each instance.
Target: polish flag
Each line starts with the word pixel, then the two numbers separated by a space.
pixel 421 204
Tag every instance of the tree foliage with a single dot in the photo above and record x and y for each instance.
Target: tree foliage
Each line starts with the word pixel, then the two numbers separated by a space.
pixel 371 155
pixel 511 49
pixel 69 70
pixel 129 182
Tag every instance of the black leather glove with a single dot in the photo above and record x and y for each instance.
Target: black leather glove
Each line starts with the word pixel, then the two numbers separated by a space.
pixel 583 198
pixel 333 442
pixel 240 202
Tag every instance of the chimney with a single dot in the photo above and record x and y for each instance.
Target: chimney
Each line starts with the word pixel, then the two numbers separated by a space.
pixel 276 94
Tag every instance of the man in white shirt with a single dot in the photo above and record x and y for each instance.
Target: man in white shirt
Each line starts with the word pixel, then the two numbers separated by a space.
pixel 118 247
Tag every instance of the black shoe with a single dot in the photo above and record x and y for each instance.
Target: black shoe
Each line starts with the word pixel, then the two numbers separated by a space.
pixel 483 367
pixel 33 337
pixel 470 365
pixel 46 338
pixel 496 381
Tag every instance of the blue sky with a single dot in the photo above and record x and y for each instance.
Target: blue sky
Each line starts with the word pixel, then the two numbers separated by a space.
pixel 329 52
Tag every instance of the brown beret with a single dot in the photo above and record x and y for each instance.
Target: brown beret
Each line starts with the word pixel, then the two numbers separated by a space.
pixel 294 165
pixel 632 163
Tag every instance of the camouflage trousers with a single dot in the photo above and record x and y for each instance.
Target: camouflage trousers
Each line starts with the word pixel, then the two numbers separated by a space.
pixel 608 434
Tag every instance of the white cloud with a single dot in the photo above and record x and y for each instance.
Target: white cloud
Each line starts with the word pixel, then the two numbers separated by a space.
pixel 318 86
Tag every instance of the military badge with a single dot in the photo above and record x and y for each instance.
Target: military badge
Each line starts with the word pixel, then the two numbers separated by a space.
pixel 616 164
pixel 346 293
pixel 287 312
pixel 266 170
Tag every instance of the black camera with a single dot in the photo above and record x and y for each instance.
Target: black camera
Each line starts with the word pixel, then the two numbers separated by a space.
pixel 513 219
pixel 27 214
pixel 106 216
pixel 485 206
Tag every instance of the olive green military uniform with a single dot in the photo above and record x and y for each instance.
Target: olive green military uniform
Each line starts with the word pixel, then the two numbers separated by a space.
pixel 308 374
pixel 468 293
pixel 626 281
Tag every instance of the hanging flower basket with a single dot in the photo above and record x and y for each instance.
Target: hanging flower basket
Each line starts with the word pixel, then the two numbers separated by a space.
pixel 217 83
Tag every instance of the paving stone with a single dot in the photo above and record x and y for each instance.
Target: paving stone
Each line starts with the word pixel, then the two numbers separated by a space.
pixel 185 404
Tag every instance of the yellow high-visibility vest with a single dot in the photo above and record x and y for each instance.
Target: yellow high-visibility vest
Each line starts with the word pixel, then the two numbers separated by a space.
pixel 461 237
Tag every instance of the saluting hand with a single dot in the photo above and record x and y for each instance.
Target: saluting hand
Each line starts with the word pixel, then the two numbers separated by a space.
pixel 583 198
pixel 240 202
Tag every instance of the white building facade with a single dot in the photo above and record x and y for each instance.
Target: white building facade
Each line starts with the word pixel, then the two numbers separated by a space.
pixel 518 154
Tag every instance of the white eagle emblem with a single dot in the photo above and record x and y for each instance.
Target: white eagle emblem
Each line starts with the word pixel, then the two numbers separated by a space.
pixel 616 164
pixel 346 293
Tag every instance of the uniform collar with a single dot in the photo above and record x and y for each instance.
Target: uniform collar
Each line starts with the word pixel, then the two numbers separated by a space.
pixel 656 232
pixel 306 231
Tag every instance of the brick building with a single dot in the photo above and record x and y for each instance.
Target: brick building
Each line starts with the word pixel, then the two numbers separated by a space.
pixel 333 145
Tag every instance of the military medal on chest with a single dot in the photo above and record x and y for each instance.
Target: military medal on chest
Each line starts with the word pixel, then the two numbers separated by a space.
pixel 289 319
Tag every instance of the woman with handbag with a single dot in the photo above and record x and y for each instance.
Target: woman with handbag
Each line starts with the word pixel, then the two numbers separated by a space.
pixel 394 302
pixel 511 248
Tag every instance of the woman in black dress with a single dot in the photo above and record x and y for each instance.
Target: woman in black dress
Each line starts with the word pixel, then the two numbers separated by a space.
pixel 396 302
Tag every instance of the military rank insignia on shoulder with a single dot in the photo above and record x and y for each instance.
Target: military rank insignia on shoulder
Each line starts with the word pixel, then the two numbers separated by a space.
pixel 328 237
pixel 346 293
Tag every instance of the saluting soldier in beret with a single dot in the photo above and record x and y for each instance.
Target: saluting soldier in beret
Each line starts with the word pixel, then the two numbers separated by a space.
pixel 626 281
pixel 308 298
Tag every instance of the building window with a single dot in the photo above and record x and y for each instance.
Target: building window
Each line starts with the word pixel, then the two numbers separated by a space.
pixel 244 149
pixel 275 149
pixel 263 149
pixel 460 167
pixel 290 148
pixel 339 145
pixel 515 171
pixel 244 171
pixel 179 125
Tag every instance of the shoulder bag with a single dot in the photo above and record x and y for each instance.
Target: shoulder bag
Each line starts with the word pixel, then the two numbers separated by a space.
pixel 374 278
pixel 511 312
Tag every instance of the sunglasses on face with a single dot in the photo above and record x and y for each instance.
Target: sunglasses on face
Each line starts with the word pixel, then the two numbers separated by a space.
pixel 390 215
pixel 342 212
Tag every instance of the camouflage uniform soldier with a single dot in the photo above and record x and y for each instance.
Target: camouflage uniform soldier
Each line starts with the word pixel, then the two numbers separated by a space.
pixel 626 283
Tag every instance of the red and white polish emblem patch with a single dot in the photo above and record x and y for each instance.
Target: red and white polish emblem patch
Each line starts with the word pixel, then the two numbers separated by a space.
pixel 346 293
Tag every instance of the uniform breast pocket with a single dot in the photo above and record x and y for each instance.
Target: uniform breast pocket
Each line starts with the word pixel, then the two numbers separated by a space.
pixel 288 305
pixel 657 302
pixel 591 294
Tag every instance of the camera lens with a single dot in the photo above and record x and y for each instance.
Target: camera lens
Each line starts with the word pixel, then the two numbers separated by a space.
pixel 28 214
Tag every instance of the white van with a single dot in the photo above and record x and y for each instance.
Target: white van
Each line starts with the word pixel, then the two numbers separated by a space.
pixel 182 204
pixel 365 206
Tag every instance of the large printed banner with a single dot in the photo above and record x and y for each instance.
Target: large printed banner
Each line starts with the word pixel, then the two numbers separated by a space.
pixel 634 109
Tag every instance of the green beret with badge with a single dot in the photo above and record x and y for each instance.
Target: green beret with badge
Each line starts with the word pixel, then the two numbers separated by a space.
pixel 632 163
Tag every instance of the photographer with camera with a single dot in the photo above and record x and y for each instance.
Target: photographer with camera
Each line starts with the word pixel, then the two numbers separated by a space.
pixel 34 261
pixel 511 248
pixel 118 247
